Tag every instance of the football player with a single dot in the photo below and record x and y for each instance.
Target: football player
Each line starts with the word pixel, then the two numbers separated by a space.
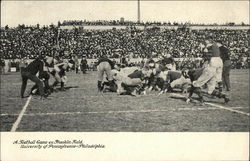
pixel 195 75
pixel 105 65
pixel 57 69
pixel 212 73
pixel 173 79
pixel 135 82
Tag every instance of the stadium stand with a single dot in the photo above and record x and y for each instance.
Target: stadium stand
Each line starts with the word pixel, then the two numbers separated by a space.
pixel 22 41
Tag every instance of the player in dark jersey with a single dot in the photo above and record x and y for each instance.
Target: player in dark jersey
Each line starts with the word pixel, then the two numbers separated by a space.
pixel 29 73
pixel 84 65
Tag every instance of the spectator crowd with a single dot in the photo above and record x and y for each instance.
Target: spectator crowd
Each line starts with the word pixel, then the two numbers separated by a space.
pixel 20 42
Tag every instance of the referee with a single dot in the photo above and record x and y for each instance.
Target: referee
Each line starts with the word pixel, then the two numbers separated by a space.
pixel 226 65
pixel 29 73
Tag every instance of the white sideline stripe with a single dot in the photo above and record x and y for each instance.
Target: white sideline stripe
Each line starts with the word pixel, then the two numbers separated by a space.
pixel 15 125
pixel 110 112
pixel 221 107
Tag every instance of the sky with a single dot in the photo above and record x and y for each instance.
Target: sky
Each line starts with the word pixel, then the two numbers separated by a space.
pixel 48 12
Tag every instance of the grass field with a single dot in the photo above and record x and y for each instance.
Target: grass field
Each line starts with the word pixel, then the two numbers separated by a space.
pixel 81 108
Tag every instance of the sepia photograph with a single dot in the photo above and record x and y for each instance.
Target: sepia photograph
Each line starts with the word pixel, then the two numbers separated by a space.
pixel 138 67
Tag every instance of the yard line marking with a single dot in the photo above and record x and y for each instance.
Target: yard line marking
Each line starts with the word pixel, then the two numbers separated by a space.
pixel 65 113
pixel 15 125
pixel 111 112
pixel 226 108
pixel 220 106
pixel 118 96
pixel 19 83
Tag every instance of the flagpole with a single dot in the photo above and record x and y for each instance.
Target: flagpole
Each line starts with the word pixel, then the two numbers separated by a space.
pixel 138 12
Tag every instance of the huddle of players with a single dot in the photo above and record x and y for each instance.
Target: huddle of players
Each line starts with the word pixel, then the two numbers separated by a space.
pixel 39 72
pixel 132 81
pixel 162 75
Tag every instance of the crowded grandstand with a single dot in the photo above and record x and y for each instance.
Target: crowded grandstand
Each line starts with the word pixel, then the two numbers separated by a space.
pixel 131 42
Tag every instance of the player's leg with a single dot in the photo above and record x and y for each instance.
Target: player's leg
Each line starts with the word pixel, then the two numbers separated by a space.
pixel 227 77
pixel 207 74
pixel 63 78
pixel 120 88
pixel 211 84
pixel 186 84
pixel 219 94
pixel 219 71
pixel 46 86
pixel 112 85
pixel 177 82
pixel 100 74
pixel 224 76
pixel 57 79
pixel 196 90
pixel 46 77
pixel 24 84
pixel 38 82
pixel 34 89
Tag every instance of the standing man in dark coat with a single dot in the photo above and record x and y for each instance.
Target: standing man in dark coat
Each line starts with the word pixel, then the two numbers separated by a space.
pixel 84 65
pixel 226 65
pixel 2 65
pixel 30 73
pixel 76 64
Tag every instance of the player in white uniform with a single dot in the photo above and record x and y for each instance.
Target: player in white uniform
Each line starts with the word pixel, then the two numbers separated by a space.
pixel 212 73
